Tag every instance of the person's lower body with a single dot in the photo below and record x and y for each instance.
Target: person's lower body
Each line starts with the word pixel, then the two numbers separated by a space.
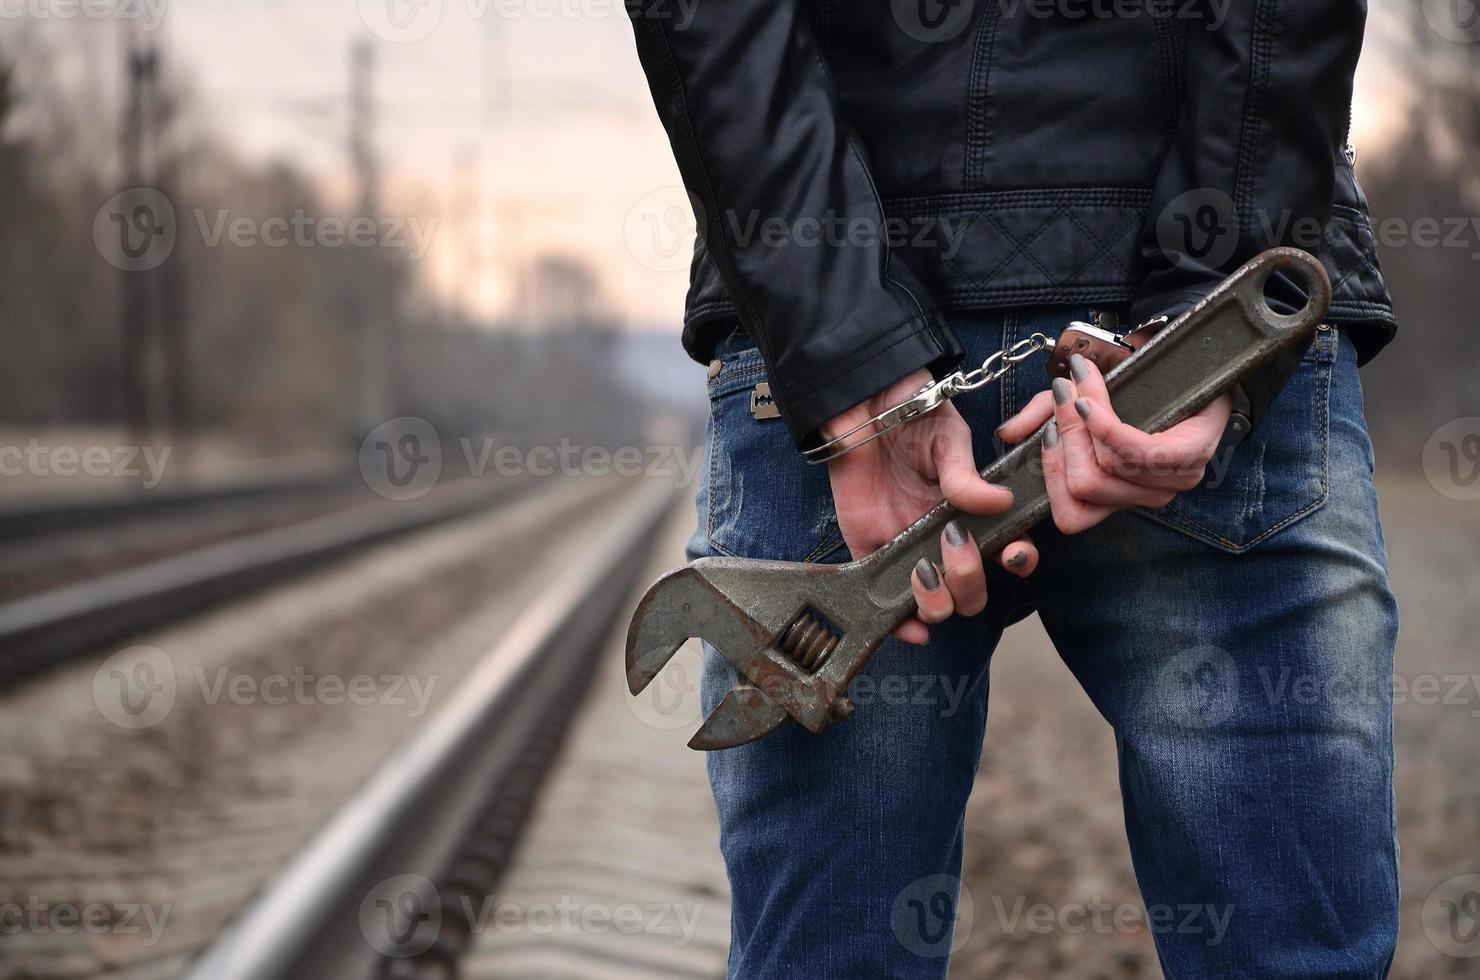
pixel 1239 642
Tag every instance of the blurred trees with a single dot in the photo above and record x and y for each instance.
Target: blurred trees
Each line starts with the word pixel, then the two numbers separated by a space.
pixel 267 333
pixel 1427 173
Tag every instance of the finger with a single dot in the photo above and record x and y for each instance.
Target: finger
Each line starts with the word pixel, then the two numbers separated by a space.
pixel 1081 463
pixel 1144 463
pixel 1020 558
pixel 1070 515
pixel 1111 491
pixel 912 631
pixel 1090 383
pixel 1087 479
pixel 1204 427
pixel 1164 459
pixel 962 564
pixel 955 469
pixel 931 595
pixel 1025 423
pixel 1088 379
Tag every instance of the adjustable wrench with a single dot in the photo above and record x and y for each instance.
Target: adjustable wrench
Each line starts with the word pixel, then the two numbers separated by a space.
pixel 799 633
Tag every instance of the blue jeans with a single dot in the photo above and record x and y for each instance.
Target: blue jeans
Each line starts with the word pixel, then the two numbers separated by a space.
pixel 1239 642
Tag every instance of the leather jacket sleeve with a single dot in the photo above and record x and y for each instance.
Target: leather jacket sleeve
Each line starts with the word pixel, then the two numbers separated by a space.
pixel 1266 111
pixel 785 203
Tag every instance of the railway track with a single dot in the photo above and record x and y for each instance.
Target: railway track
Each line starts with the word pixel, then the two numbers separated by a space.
pixel 48 516
pixel 384 889
pixel 44 628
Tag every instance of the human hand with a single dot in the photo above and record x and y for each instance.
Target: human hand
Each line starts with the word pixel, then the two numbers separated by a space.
pixel 882 488
pixel 1094 464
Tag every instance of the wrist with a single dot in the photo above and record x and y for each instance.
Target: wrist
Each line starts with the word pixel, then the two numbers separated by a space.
pixel 865 410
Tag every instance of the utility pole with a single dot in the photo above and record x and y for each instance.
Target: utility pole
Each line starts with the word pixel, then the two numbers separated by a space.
pixel 367 315
pixel 363 155
pixel 173 286
pixel 142 366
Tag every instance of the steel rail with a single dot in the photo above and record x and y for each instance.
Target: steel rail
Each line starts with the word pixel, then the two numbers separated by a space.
pixel 37 517
pixel 412 815
pixel 38 631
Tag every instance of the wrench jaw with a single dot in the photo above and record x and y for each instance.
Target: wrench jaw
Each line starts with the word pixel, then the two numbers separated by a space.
pixel 665 617
pixel 744 715
pixel 763 618
pixel 747 713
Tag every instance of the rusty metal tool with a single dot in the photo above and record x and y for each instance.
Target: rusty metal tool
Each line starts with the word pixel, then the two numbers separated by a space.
pixel 799 633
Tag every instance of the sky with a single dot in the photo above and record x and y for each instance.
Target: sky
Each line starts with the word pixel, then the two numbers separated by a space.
pixel 521 126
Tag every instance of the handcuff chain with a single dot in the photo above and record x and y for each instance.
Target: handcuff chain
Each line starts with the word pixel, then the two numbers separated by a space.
pixel 999 363
pixel 932 396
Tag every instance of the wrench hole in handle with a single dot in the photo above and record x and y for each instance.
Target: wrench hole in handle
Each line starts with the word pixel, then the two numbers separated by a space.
pixel 1287 267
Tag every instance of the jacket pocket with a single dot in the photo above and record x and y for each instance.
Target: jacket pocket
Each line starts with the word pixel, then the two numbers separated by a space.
pixel 1277 475
pixel 764 500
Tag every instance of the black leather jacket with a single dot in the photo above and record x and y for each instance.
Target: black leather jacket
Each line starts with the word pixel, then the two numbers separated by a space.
pixel 858 166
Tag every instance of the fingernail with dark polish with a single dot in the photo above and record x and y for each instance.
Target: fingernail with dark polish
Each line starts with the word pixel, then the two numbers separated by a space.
pixel 1051 434
pixel 1081 405
pixel 929 577
pixel 1018 560
pixel 1062 391
pixel 955 533
pixel 1078 367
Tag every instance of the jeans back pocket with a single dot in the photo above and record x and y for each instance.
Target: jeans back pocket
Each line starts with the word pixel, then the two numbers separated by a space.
pixel 763 499
pixel 1277 475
